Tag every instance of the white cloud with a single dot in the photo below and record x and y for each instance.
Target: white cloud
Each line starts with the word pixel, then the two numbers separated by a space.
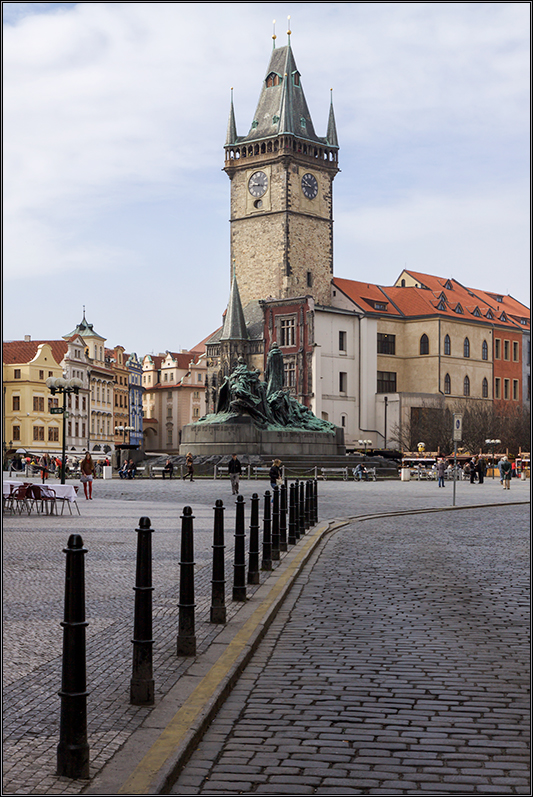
pixel 115 115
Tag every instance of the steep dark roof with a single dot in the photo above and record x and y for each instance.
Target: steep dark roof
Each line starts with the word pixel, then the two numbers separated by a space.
pixel 234 327
pixel 282 108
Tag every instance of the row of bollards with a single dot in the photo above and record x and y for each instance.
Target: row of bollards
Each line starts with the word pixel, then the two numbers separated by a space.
pixel 302 509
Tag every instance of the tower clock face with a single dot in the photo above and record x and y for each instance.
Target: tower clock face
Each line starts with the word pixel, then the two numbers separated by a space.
pixel 258 184
pixel 309 186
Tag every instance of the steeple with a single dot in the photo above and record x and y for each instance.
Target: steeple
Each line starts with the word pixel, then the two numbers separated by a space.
pixel 234 324
pixel 331 135
pixel 282 107
pixel 231 135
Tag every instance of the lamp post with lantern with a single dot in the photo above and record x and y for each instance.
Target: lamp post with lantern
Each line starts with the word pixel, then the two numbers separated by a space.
pixel 365 443
pixel 64 386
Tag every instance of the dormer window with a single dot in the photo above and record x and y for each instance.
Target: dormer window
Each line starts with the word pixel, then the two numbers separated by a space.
pixel 476 311
pixel 303 122
pixel 296 78
pixel 489 314
pixel 273 80
pixel 449 286
pixel 458 309
pixel 503 317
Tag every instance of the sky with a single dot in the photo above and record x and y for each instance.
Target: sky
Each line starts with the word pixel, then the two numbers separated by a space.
pixel 115 119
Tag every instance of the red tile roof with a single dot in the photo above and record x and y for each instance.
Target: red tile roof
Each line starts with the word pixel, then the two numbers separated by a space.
pixel 436 296
pixel 23 351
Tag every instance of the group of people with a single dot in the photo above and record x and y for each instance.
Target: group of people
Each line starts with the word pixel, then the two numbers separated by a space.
pixel 128 469
pixel 235 470
pixel 189 462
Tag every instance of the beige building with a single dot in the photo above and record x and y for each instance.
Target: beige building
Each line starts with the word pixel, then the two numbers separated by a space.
pixel 175 395
pixel 101 433
pixel 28 422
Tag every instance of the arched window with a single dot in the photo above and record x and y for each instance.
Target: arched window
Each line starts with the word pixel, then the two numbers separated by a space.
pixel 466 348
pixel 466 386
pixel 424 344
pixel 447 384
pixel 485 388
pixel 447 345
pixel 484 351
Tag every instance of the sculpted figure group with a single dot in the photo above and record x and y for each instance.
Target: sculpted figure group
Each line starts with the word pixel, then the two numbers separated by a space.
pixel 243 393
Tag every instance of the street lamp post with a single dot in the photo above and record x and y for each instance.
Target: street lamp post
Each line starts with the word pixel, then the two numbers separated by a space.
pixel 492 443
pixel 64 386
pixel 365 443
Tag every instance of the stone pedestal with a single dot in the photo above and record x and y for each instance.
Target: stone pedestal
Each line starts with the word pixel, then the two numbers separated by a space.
pixel 240 436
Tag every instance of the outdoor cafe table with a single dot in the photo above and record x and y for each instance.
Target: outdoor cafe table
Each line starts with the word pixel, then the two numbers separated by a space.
pixel 64 492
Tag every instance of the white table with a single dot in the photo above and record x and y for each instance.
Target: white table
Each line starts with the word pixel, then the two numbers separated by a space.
pixel 64 492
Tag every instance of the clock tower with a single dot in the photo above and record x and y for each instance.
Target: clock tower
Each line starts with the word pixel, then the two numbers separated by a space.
pixel 281 176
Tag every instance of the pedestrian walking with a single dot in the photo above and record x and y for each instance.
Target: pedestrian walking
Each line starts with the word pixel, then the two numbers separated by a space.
pixel 87 474
pixel 190 467
pixel 441 467
pixel 480 469
pixel 275 474
pixel 500 463
pixel 234 470
pixel 506 470
pixel 473 467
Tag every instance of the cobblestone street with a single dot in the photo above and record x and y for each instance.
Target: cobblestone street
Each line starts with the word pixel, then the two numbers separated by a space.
pixel 398 665
pixel 34 567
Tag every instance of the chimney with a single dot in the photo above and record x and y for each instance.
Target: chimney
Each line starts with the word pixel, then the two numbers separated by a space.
pixel 27 338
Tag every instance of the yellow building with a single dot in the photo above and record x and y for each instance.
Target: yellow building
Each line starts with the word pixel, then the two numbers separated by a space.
pixel 28 422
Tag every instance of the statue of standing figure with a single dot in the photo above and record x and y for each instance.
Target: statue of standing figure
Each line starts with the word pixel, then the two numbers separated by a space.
pixel 274 373
pixel 242 393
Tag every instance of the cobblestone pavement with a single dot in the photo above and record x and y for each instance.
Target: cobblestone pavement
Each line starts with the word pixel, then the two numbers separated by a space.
pixel 33 570
pixel 398 665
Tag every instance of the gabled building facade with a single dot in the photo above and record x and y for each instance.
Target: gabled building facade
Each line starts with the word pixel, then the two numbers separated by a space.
pixel 174 395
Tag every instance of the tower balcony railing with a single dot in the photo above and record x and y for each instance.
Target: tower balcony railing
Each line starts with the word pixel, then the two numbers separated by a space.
pixel 282 145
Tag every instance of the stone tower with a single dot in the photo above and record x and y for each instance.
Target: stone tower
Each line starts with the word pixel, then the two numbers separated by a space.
pixel 281 176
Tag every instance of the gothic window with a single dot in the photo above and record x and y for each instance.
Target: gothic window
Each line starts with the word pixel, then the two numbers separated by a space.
pixel 485 388
pixel 466 348
pixel 484 350
pixel 447 384
pixel 273 80
pixel 424 344
pixel 447 345
pixel 466 386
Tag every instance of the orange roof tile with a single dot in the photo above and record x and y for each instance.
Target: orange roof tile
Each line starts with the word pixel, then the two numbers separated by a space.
pixel 23 351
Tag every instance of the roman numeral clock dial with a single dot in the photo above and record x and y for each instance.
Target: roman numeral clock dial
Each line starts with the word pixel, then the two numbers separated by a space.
pixel 309 186
pixel 258 184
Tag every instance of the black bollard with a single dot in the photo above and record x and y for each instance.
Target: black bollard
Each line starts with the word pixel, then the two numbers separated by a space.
pixel 253 552
pixel 186 642
pixel 308 514
pixel 73 749
pixel 292 515
pixel 297 510
pixel 239 567
pixel 301 510
pixel 142 680
pixel 283 517
pixel 275 525
pixel 315 502
pixel 266 563
pixel 218 582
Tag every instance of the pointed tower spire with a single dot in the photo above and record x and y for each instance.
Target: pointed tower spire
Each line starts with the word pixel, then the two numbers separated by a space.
pixel 234 324
pixel 231 135
pixel 274 34
pixel 331 135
